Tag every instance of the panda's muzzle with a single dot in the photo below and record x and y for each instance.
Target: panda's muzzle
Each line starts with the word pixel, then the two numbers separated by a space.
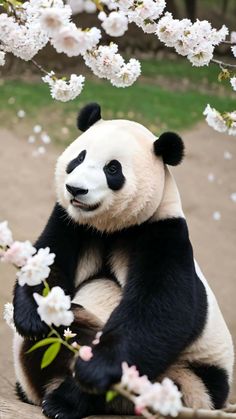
pixel 85 207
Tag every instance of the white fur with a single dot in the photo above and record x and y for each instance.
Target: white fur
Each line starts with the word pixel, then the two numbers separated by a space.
pixel 100 297
pixel 214 346
pixel 21 376
pixel 88 266
pixel 138 199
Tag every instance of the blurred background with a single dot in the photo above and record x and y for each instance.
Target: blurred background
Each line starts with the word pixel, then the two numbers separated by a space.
pixel 170 95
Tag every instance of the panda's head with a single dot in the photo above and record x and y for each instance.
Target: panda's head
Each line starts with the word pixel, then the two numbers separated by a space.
pixel 114 175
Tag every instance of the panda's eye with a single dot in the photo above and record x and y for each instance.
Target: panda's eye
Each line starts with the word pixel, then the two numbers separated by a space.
pixel 113 167
pixel 81 156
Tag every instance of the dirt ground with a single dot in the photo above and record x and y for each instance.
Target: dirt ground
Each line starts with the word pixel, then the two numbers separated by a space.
pixel 27 196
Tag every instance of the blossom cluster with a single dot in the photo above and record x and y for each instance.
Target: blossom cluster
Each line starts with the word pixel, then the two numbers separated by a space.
pixel 105 62
pixel 225 122
pixel 195 40
pixel 163 398
pixel 144 14
pixel 64 90
pixel 33 269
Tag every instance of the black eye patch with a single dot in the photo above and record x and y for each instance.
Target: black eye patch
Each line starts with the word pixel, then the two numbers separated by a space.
pixel 76 162
pixel 114 175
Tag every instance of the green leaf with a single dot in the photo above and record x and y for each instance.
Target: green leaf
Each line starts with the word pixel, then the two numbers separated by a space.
pixel 50 354
pixel 46 289
pixel 110 395
pixel 43 342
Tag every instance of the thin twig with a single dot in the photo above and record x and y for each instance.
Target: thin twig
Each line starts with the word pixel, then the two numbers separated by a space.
pixel 222 64
pixel 39 67
pixel 185 412
pixel 228 43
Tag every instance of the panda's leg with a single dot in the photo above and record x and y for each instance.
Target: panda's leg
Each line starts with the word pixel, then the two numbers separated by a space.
pixel 194 392
pixel 32 381
pixel 68 401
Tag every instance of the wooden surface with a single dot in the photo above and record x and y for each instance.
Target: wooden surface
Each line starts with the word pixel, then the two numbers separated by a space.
pixel 10 409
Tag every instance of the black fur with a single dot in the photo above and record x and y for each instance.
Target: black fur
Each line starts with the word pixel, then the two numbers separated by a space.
pixel 76 162
pixel 68 401
pixel 163 308
pixel 21 394
pixel 149 328
pixel 170 147
pixel 90 114
pixel 114 175
pixel 216 381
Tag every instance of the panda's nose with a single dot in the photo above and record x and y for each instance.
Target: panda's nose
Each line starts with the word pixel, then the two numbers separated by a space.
pixel 74 190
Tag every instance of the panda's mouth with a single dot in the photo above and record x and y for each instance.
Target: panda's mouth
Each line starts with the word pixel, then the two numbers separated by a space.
pixel 85 207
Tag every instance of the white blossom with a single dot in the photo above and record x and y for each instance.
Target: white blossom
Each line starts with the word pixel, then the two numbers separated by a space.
pixel 68 333
pixel 163 398
pixel 64 90
pixel 74 41
pixel 233 196
pixel 116 24
pixel 54 18
pixel 36 268
pixel 233 37
pixel 211 177
pixel 21 113
pixel 54 309
pixel 128 74
pixel 77 6
pixel 227 155
pixel 18 253
pixel 89 6
pixel 201 55
pixel 233 82
pixel 234 50
pixel 232 129
pixel 5 235
pixel 216 215
pixel 214 119
pixel 2 58
pixel 37 129
pixel 8 313
pixel 31 139
pixel 45 138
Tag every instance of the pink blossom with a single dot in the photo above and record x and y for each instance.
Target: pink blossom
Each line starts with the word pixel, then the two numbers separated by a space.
pixel 85 353
pixel 19 253
pixel 97 338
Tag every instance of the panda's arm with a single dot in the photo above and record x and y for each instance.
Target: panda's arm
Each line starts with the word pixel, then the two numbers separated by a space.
pixel 64 239
pixel 162 310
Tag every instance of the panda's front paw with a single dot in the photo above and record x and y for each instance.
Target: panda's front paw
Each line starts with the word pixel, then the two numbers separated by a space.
pixel 28 324
pixel 98 374
pixel 69 402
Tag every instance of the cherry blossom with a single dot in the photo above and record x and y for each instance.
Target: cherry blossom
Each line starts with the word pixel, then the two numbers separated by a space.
pixel 36 268
pixel 18 253
pixel 85 353
pixel 68 333
pixel 116 24
pixel 233 83
pixel 64 90
pixel 2 58
pixel 214 119
pixel 54 308
pixel 8 312
pixel 5 235
pixel 163 397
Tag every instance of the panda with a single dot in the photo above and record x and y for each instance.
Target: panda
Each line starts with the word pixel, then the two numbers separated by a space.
pixel 124 256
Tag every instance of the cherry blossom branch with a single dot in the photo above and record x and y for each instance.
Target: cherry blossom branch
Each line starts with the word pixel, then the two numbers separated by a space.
pixel 39 67
pixel 222 64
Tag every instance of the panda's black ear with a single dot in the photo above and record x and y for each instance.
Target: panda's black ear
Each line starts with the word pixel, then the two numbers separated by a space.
pixel 170 147
pixel 88 115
